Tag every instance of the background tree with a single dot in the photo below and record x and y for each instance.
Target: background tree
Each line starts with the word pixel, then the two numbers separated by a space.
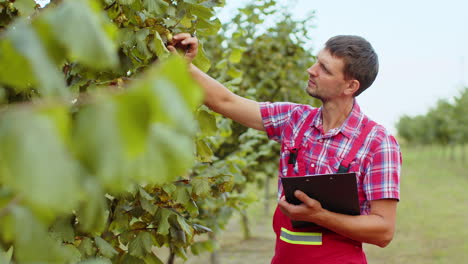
pixel 445 125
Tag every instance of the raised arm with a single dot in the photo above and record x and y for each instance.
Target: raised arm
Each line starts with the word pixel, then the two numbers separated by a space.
pixel 217 97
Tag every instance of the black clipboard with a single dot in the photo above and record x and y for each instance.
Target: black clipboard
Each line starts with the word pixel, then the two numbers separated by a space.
pixel 336 192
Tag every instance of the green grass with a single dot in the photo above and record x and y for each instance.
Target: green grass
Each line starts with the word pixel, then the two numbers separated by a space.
pixel 432 222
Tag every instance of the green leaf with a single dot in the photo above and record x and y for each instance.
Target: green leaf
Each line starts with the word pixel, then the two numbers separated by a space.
pixel 148 206
pixel 63 230
pixel 24 57
pixel 192 209
pixel 100 145
pixel 201 11
pixel 96 261
pixel 180 252
pixel 236 55
pixel 32 243
pixel 141 42
pixel 141 245
pixel 169 188
pixel 86 247
pixel 25 7
pixel 175 71
pixel 154 6
pixel 201 61
pixel 207 122
pixel 159 46
pixel 92 215
pixel 144 194
pixel 5 257
pixel 133 121
pixel 49 187
pixel 169 97
pixel 201 186
pixel 234 73
pixel 177 150
pixel 203 246
pixel 183 224
pixel 204 152
pixel 181 195
pixel 14 67
pixel 126 37
pixel 162 218
pixel 129 259
pixel 120 221
pixel 105 248
pixel 221 64
pixel 126 2
pixel 85 35
pixel 72 253
pixel 207 28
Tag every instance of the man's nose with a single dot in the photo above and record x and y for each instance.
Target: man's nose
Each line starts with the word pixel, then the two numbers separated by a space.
pixel 312 70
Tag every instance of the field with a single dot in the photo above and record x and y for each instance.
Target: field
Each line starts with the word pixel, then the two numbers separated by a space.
pixel 432 224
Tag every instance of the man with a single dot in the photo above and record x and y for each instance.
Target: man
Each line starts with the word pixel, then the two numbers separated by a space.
pixel 322 139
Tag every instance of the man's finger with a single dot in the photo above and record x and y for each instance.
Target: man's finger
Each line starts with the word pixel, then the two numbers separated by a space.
pixel 172 49
pixel 303 198
pixel 181 36
pixel 190 41
pixel 284 207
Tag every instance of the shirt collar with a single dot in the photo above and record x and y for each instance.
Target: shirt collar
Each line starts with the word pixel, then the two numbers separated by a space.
pixel 350 125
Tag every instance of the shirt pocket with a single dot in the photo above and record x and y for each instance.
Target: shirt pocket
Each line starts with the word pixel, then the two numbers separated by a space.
pixel 330 165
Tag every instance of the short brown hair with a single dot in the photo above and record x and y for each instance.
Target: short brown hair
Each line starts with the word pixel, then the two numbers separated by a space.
pixel 360 60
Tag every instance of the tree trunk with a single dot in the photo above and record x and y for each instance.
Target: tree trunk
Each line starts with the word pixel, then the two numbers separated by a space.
pixel 452 152
pixel 171 258
pixel 245 225
pixel 214 257
pixel 463 154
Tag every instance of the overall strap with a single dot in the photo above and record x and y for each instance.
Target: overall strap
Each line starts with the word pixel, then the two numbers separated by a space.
pixel 293 152
pixel 357 144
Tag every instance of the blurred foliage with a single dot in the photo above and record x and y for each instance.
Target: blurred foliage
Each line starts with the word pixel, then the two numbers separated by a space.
pixel 263 64
pixel 98 138
pixel 105 153
pixel 444 124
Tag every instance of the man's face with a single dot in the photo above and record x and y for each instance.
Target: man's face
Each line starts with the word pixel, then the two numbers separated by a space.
pixel 326 78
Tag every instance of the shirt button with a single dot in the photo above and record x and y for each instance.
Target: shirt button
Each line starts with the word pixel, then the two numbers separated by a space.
pixel 320 140
pixel 312 165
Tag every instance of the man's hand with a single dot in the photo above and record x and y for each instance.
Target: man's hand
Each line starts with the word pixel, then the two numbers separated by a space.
pixel 187 43
pixel 376 228
pixel 309 210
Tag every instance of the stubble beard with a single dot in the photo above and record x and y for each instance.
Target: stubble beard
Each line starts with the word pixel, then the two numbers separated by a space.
pixel 314 94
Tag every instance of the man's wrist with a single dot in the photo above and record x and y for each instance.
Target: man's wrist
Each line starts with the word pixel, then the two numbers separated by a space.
pixel 321 217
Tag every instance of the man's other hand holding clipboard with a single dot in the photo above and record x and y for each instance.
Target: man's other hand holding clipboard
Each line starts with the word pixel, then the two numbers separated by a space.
pixel 307 198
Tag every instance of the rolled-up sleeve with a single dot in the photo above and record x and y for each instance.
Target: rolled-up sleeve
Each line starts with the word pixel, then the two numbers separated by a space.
pixel 275 117
pixel 382 180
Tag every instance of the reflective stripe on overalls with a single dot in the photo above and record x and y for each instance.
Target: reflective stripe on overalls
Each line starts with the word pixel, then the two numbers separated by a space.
pixel 314 244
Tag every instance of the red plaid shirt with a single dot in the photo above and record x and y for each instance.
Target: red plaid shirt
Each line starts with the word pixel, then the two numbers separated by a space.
pixel 377 164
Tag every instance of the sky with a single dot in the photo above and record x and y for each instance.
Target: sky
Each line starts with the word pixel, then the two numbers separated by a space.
pixel 422 48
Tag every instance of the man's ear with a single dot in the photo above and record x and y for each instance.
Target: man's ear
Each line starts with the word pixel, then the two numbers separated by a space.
pixel 353 86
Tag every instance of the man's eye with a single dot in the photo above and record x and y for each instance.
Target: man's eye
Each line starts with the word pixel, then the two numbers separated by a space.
pixel 324 69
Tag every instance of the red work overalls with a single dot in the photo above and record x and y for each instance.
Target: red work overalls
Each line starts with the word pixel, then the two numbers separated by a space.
pixel 315 245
